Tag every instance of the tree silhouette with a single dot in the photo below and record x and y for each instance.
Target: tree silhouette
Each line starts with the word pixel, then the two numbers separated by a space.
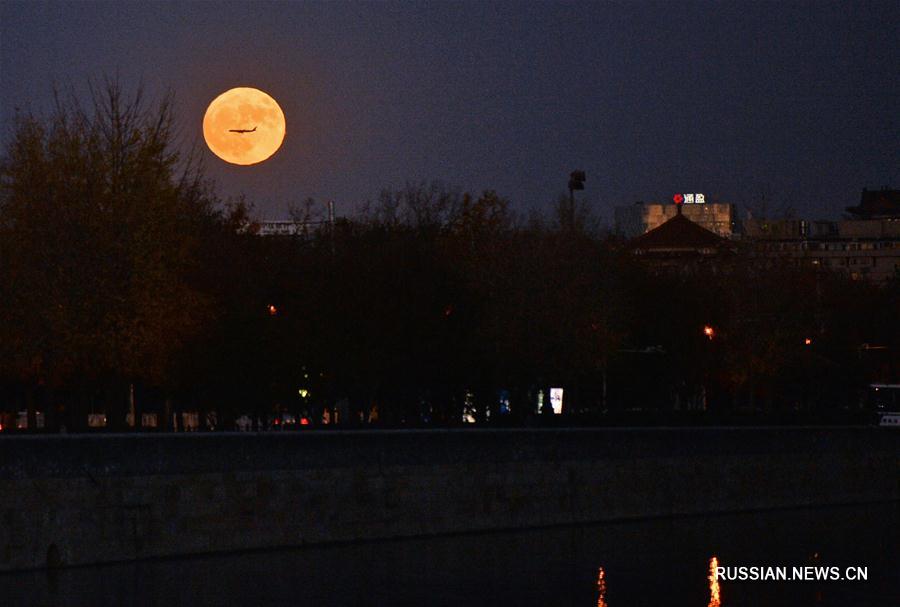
pixel 100 224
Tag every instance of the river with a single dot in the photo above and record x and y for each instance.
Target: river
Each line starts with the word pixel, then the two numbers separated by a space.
pixel 624 564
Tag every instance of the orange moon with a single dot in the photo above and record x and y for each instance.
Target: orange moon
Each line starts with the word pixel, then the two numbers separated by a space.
pixel 243 126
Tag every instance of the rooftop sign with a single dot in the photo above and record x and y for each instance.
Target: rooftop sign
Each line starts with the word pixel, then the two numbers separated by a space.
pixel 689 198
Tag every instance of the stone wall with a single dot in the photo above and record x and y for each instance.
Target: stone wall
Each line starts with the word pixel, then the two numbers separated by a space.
pixel 99 498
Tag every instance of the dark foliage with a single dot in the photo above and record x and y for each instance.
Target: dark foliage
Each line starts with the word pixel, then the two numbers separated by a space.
pixel 118 268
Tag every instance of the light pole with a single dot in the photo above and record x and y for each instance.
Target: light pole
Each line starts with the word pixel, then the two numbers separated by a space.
pixel 576 182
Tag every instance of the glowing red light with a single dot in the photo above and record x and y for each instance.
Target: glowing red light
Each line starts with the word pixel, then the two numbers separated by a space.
pixel 678 198
pixel 272 310
pixel 304 421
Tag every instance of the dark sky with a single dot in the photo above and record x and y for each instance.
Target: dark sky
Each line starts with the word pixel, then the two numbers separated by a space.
pixel 800 102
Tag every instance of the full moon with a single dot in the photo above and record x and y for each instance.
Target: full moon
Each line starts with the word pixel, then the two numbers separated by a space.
pixel 243 126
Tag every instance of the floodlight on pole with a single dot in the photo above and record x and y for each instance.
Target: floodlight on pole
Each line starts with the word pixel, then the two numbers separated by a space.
pixel 576 182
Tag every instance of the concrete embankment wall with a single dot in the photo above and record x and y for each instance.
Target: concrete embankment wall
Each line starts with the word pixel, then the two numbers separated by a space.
pixel 94 498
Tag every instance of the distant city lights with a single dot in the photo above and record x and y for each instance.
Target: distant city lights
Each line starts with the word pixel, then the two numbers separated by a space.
pixel 504 402
pixel 470 413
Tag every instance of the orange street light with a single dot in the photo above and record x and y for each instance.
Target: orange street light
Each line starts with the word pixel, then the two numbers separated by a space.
pixel 272 310
pixel 807 342
pixel 709 331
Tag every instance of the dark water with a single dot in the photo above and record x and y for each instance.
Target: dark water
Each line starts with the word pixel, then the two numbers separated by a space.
pixel 658 562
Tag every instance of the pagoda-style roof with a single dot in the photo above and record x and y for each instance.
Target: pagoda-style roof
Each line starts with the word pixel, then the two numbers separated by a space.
pixel 874 204
pixel 678 235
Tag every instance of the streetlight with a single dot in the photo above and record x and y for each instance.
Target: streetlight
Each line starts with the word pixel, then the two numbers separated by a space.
pixel 709 331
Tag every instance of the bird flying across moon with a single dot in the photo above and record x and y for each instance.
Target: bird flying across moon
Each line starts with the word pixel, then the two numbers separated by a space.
pixel 227 121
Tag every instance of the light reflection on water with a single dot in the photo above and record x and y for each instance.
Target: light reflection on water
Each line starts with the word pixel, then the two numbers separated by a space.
pixel 658 562
pixel 714 591
pixel 601 588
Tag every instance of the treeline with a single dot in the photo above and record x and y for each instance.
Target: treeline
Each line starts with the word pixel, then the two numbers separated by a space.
pixel 120 270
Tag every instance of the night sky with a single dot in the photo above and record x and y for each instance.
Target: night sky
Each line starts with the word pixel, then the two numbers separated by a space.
pixel 799 103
